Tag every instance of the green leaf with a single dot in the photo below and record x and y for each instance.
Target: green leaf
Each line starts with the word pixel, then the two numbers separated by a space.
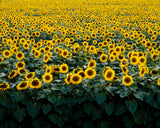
pixel 36 123
pixel 120 109
pixel 149 97
pixel 128 122
pixel 53 117
pixel 88 108
pixel 100 98
pixel 19 114
pixel 109 108
pixel 140 95
pixel 17 96
pixel 2 113
pixel 124 94
pixel 52 99
pixel 46 108
pixel 33 110
pixel 111 89
pixel 131 105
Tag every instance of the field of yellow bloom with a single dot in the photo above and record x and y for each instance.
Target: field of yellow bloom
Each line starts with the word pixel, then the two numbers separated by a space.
pixel 83 63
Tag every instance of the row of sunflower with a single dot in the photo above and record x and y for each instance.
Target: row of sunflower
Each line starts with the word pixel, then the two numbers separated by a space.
pixel 38 46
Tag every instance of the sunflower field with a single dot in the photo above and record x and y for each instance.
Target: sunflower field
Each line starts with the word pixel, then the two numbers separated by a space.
pixel 84 64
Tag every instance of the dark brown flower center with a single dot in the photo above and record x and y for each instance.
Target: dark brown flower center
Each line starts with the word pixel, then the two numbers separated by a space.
pixel 75 78
pixel 127 80
pixel 19 55
pixel 29 75
pixel 35 82
pixel 12 74
pixel 64 68
pixel 90 72
pixel 24 84
pixel 109 74
pixel 47 77
pixel 20 65
pixel 134 60
pixel 3 86
pixel 7 53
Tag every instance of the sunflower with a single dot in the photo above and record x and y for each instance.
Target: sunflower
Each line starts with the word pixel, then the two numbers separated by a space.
pixel 134 60
pixel 142 72
pixel 68 79
pixel 124 69
pixel 6 53
pixel 56 69
pixel 1 59
pixel 23 85
pixel 42 50
pixel 25 45
pixel 29 75
pixel 90 73
pixel 112 58
pixel 20 64
pixel 127 80
pixel 47 78
pixel 120 57
pixel 124 62
pixel 109 74
pixel 92 64
pixel 35 83
pixel 75 71
pixel 154 56
pixel 142 60
pixel 103 58
pixel 158 82
pixel 19 55
pixel 154 72
pixel 76 79
pixel 46 58
pixel 21 70
pixel 82 73
pixel 64 68
pixel 4 86
pixel 12 74
pixel 65 53
pixel 37 54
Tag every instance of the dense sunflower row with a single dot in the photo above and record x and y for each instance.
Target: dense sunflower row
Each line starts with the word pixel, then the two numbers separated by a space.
pixel 39 46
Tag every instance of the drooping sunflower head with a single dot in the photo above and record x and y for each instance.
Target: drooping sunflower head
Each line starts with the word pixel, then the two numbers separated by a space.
pixel 158 82
pixel 82 73
pixel 30 75
pixel 154 72
pixel 142 72
pixel 21 71
pixel 23 85
pixel 124 69
pixel 12 74
pixel 4 86
pixel 1 59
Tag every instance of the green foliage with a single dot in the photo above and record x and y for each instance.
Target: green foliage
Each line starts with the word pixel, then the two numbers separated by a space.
pixel 88 108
